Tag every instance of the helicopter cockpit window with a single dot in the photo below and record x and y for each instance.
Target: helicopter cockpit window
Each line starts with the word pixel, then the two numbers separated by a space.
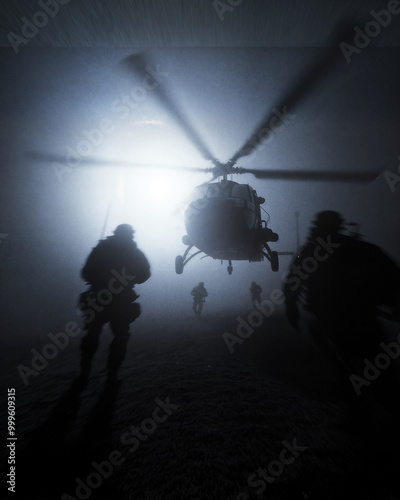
pixel 241 191
pixel 199 192
pixel 211 190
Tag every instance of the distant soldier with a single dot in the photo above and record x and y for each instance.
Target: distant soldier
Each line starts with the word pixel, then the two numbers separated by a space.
pixel 112 270
pixel 255 291
pixel 199 294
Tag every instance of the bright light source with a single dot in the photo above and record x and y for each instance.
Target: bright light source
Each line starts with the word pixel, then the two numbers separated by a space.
pixel 152 199
pixel 159 188
pixel 121 186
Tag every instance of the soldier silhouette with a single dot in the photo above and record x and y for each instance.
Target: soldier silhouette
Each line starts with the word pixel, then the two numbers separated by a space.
pixel 199 294
pixel 112 270
pixel 255 292
pixel 343 281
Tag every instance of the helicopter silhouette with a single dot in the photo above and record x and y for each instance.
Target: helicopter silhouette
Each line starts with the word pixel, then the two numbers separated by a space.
pixel 223 219
pixel 224 222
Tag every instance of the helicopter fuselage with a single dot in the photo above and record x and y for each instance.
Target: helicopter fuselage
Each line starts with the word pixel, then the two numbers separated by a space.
pixel 223 221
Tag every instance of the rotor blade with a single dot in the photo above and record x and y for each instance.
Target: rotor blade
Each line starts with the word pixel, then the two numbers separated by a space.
pixel 312 175
pixel 303 86
pixel 97 162
pixel 138 64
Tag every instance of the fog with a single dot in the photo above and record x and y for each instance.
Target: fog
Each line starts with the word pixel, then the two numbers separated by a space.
pixel 55 212
pixel 87 144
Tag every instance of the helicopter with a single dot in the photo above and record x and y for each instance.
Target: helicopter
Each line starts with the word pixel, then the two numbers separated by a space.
pixel 224 222
pixel 223 219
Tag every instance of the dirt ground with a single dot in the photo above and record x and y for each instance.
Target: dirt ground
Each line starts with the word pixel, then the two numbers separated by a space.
pixel 188 419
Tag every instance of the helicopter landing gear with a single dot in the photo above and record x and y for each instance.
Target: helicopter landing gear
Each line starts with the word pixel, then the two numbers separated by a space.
pixel 181 260
pixel 179 264
pixel 268 235
pixel 230 268
pixel 273 257
pixel 274 262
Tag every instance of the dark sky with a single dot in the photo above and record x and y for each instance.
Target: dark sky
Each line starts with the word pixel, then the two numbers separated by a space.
pixel 182 23
pixel 224 76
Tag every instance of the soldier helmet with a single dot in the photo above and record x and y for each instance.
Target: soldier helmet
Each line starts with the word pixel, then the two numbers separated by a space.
pixel 124 230
pixel 329 221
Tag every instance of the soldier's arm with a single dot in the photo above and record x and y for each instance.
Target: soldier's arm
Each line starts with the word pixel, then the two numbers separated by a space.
pixel 140 267
pixel 88 272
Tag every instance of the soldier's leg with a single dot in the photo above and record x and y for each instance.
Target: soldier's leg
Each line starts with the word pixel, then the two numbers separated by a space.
pixel 200 308
pixel 116 355
pixel 89 344
pixel 123 312
pixel 321 333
